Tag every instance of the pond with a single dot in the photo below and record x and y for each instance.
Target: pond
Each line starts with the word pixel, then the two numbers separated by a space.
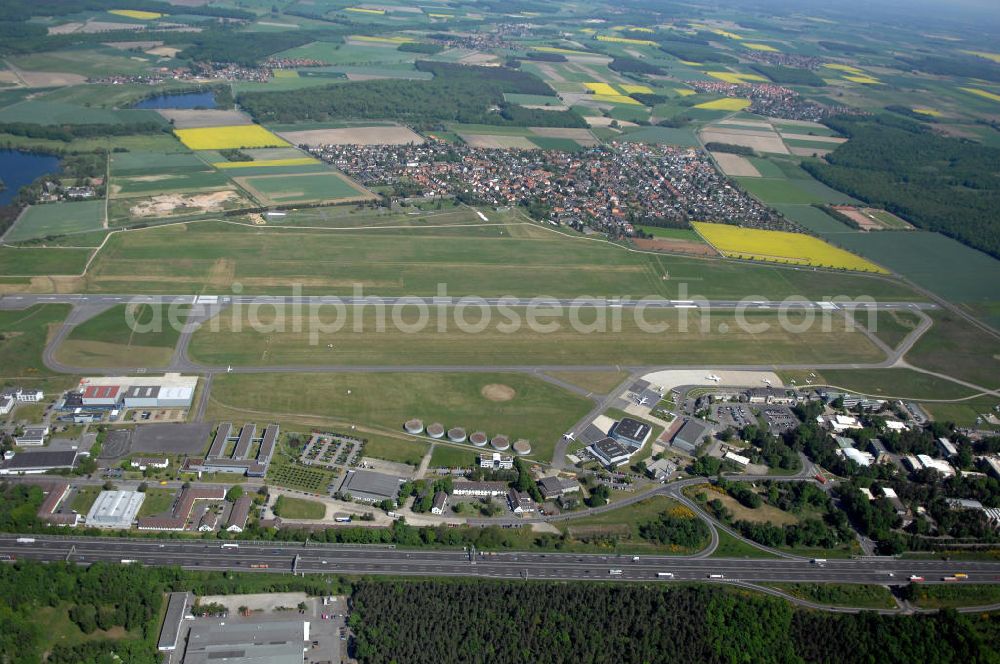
pixel 180 100
pixel 18 169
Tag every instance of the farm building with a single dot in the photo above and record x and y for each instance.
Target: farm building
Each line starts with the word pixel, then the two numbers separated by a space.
pixel 115 509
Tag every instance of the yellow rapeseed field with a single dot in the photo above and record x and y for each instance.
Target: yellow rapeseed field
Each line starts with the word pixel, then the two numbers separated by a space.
pixel 735 79
pixel 441 15
pixel 285 73
pixel 689 63
pixel 631 89
pixel 864 79
pixel 294 161
pixel 927 111
pixel 684 92
pixel 726 104
pixel 361 10
pixel 600 88
pixel 228 138
pixel 726 33
pixel 556 49
pixel 136 13
pixel 780 247
pixel 617 99
pixel 995 57
pixel 848 68
pixel 625 40
pixel 761 47
pixel 985 94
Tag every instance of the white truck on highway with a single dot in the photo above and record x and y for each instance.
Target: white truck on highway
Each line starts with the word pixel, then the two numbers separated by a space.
pixel 25 540
pixel 615 572
pixel 665 575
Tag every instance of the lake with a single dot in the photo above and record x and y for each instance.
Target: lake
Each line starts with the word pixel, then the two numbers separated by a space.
pixel 18 169
pixel 182 100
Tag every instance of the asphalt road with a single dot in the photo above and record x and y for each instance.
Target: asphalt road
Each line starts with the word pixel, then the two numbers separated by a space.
pixel 334 559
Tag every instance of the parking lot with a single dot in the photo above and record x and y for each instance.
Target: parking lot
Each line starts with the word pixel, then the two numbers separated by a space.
pixel 735 415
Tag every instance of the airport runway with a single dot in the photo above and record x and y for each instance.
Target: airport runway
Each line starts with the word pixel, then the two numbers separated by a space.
pixel 20 301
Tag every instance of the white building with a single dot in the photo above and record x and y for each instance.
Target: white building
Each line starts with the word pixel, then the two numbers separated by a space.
pixel 115 509
pixel 25 395
pixel 857 456
pixel 946 447
pixel 6 404
pixel 939 465
pixel 496 461
pixel 738 459
pixel 142 463
pixel 32 437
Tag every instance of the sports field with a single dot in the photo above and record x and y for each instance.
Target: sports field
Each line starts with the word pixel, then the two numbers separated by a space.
pixel 39 221
pixel 498 337
pixel 485 260
pixel 533 409
pixel 781 247
pixel 227 138
pixel 300 188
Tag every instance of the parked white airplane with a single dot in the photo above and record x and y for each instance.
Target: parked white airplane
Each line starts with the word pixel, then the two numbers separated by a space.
pixel 569 435
pixel 229 369
pixel 767 381
pixel 643 401
pixel 713 377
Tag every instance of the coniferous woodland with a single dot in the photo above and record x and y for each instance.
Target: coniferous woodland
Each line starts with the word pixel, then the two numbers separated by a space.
pixel 461 93
pixel 934 182
pixel 437 622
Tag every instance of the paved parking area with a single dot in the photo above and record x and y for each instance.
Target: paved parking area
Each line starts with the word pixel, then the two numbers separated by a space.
pixel 171 438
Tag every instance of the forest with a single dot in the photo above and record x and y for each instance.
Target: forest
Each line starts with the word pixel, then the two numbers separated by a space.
pixel 437 622
pixel 457 93
pixel 936 183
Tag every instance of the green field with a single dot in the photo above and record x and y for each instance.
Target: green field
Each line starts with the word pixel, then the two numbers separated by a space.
pixel 411 338
pixel 661 135
pixel 964 413
pixel 281 189
pixel 192 181
pixel 778 191
pixel 134 164
pixel 954 347
pixel 685 234
pixel 39 221
pixel 599 382
pixel 40 111
pixel 96 62
pixel 395 449
pixel 107 340
pixel 84 499
pixel 448 456
pixel 731 547
pixel 473 261
pixel 538 411
pixel 299 508
pixel 901 383
pixel 891 326
pixel 32 261
pixel 157 502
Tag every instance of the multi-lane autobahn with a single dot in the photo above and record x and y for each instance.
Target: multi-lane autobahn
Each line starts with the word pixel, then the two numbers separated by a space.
pixel 384 560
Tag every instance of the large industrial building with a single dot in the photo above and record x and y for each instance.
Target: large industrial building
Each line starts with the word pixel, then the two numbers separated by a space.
pixel 37 461
pixel 370 486
pixel 248 643
pixel 115 509
pixel 112 392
